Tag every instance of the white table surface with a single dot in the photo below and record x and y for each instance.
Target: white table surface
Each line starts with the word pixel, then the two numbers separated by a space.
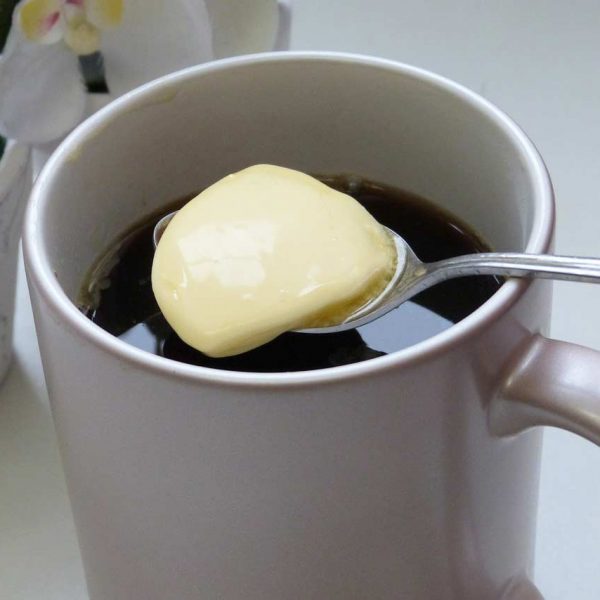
pixel 539 60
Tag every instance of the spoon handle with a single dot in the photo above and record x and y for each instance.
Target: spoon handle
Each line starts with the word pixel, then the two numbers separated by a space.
pixel 545 266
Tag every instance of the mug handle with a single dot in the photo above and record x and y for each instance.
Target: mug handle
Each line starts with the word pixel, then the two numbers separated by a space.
pixel 549 383
pixel 521 588
pixel 249 26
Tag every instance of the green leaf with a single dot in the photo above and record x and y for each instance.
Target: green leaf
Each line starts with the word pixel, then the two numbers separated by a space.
pixel 6 10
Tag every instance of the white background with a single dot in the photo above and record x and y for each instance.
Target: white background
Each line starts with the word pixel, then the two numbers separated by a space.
pixel 540 62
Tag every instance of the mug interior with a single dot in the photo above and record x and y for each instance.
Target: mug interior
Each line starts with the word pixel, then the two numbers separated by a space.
pixel 319 113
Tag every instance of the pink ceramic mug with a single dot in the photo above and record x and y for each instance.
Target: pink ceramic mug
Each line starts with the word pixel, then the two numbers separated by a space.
pixel 413 475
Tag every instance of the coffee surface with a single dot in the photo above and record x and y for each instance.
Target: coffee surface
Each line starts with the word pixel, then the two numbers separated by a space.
pixel 117 294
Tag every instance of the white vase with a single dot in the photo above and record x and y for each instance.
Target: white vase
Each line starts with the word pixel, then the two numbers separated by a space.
pixel 15 185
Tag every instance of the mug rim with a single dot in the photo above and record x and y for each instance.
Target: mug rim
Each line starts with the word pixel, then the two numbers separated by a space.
pixel 39 270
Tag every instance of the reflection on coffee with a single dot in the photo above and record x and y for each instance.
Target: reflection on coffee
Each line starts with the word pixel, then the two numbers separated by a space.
pixel 118 296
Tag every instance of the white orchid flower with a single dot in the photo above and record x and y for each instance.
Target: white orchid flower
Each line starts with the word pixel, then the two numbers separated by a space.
pixel 42 95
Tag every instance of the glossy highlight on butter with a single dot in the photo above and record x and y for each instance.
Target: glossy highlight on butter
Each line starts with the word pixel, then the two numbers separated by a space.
pixel 264 251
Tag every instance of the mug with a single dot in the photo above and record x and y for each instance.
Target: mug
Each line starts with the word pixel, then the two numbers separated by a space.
pixel 412 475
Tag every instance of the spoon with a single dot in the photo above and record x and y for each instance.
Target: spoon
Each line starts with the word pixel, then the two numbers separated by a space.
pixel 413 276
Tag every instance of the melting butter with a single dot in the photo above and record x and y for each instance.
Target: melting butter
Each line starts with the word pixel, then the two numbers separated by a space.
pixel 264 251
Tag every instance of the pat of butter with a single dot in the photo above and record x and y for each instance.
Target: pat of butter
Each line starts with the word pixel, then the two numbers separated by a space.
pixel 264 251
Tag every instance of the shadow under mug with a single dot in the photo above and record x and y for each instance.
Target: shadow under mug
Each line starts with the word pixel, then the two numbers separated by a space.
pixel 413 475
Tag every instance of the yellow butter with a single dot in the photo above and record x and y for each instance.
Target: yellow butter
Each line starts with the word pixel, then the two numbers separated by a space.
pixel 264 251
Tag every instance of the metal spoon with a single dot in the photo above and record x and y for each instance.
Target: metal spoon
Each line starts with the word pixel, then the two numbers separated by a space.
pixel 413 276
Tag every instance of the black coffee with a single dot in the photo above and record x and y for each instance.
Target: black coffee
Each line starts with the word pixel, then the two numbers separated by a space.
pixel 118 294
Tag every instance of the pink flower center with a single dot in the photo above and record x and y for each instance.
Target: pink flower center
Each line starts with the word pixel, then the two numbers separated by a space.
pixel 50 21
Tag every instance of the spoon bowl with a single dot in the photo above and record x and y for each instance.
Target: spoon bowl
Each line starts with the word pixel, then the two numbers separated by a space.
pixel 413 276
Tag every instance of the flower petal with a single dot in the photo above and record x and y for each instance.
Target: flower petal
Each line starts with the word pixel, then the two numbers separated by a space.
pixel 104 13
pixel 155 38
pixel 41 90
pixel 243 26
pixel 41 20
